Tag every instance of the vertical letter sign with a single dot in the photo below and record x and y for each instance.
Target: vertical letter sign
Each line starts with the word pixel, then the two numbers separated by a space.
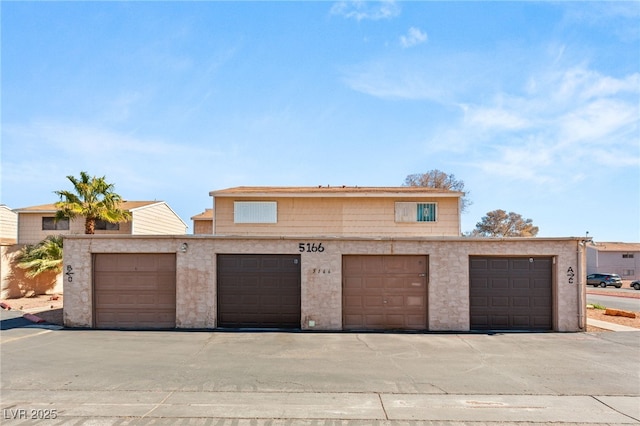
pixel 570 274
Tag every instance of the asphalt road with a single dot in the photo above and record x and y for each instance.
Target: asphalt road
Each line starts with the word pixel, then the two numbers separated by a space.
pixel 616 298
pixel 222 378
pixel 615 302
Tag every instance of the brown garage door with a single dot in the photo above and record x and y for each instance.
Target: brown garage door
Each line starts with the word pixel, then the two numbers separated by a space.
pixel 134 290
pixel 258 291
pixel 510 293
pixel 384 292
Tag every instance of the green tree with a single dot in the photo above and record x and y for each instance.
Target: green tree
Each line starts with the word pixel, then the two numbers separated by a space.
pixel 499 223
pixel 440 180
pixel 42 257
pixel 94 199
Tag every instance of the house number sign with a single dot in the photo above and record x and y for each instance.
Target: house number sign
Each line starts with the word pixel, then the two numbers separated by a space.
pixel 570 275
pixel 69 273
pixel 310 247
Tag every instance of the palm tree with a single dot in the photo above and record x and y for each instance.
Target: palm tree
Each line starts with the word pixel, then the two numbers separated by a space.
pixel 94 199
pixel 42 257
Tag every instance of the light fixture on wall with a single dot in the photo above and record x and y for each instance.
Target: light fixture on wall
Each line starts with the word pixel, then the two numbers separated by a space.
pixel 184 247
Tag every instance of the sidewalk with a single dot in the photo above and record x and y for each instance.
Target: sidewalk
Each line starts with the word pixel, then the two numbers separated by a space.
pixel 609 325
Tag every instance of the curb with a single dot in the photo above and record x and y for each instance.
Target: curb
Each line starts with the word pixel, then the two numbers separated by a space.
pixel 611 293
pixel 33 318
pixel 610 326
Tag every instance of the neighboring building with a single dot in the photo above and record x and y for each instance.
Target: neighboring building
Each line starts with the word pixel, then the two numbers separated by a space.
pixel 336 211
pixel 327 259
pixel 615 258
pixel 147 218
pixel 8 226
pixel 203 222
pixel 8 237
pixel 36 223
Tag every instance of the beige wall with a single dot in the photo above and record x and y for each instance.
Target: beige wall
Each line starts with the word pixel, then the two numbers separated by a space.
pixel 203 227
pixel 157 219
pixel 8 224
pixel 30 228
pixel 364 216
pixel 612 262
pixel 14 283
pixel 321 298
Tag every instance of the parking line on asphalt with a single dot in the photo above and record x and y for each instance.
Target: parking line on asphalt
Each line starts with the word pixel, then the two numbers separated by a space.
pixel 23 337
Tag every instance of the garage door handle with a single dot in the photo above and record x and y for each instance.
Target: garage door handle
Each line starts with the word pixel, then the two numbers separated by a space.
pixel 422 275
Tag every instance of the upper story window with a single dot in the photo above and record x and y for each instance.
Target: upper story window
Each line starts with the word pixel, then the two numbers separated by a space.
pixel 51 224
pixel 627 255
pixel 102 225
pixel 255 212
pixel 416 212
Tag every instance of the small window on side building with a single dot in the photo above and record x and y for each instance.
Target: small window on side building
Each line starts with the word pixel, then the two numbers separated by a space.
pixel 416 212
pixel 102 225
pixel 255 212
pixel 51 224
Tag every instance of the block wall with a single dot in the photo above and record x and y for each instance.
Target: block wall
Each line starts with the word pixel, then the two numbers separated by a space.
pixel 321 274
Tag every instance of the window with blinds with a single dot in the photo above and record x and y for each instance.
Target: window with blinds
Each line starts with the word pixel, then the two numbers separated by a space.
pixel 416 212
pixel 255 212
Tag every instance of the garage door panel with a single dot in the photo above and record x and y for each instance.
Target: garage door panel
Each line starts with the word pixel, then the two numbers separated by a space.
pixel 518 297
pixel 480 320
pixel 134 290
pixel 541 303
pixel 521 302
pixel 384 292
pixel 520 264
pixel 373 283
pixel 522 283
pixel 502 302
pixel 498 265
pixel 499 283
pixel 416 301
pixel 479 301
pixel 499 321
pixel 268 289
pixel 375 302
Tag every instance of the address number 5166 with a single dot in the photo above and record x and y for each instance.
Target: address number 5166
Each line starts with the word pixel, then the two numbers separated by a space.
pixel 310 247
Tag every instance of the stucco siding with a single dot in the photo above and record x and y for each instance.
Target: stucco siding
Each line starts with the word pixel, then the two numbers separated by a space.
pixel 30 228
pixel 321 275
pixel 367 217
pixel 613 262
pixel 157 219
pixel 8 224
pixel 203 227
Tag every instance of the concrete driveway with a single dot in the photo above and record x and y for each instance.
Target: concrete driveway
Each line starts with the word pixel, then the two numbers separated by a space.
pixel 117 377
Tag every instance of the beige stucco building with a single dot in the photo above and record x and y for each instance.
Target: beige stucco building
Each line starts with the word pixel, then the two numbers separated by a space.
pixel 203 223
pixel 614 258
pixel 327 259
pixel 336 211
pixel 30 225
pixel 147 218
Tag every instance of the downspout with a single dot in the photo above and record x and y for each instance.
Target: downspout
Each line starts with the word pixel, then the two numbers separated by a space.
pixel 582 301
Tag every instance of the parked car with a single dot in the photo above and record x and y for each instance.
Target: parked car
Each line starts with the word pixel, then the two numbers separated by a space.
pixel 604 280
pixel 636 284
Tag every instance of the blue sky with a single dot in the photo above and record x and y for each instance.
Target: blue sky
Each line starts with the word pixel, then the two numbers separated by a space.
pixel 534 105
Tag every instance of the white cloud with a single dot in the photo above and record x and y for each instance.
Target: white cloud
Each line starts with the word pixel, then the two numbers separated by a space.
pixel 548 135
pixel 414 78
pixel 413 37
pixel 495 118
pixel 366 10
pixel 140 164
